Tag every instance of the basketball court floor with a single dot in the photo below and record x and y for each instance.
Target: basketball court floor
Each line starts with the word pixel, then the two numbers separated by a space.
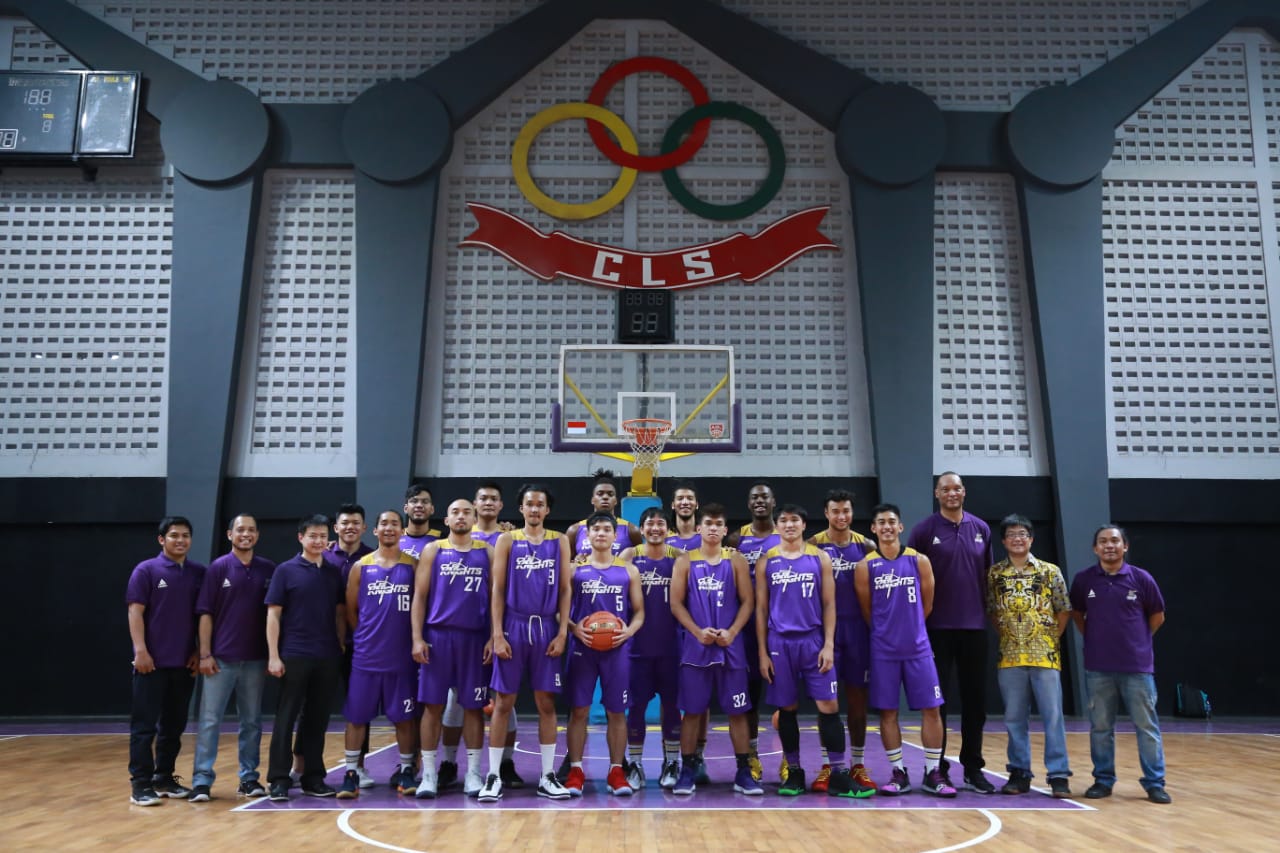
pixel 1221 775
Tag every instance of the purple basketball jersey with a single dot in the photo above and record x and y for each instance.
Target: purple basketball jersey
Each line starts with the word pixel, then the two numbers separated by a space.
pixel 489 539
pixel 596 589
pixel 795 591
pixel 712 601
pixel 460 588
pixel 752 546
pixel 533 575
pixel 413 545
pixel 659 633
pixel 685 543
pixel 843 559
pixel 621 538
pixel 383 641
pixel 897 614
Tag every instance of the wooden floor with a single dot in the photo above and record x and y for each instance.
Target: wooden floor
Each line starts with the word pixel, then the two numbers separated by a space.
pixel 70 792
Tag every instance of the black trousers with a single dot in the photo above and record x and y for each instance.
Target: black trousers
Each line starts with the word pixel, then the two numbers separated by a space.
pixel 306 692
pixel 156 719
pixel 966 651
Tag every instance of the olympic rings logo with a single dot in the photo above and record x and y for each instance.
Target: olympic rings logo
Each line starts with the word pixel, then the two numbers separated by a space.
pixel 676 149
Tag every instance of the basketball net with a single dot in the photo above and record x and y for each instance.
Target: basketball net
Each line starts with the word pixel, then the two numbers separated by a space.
pixel 648 436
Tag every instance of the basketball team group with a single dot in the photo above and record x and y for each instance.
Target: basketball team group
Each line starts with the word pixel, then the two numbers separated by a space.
pixel 437 630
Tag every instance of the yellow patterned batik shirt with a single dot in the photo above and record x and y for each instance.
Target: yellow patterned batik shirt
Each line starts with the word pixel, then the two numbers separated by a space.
pixel 1024 605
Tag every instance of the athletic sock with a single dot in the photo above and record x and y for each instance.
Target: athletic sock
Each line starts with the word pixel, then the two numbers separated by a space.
pixel 895 758
pixel 701 750
pixel 743 759
pixel 826 756
pixel 429 760
pixel 495 760
pixel 670 751
pixel 857 753
pixel 789 734
pixel 508 753
pixel 406 761
pixel 451 752
pixel 548 753
pixel 635 751
pixel 831 733
pixel 473 759
pixel 931 759
pixel 577 764
pixel 753 746
pixel 351 757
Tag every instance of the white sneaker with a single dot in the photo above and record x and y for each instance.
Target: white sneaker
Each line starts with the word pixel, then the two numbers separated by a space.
pixel 549 786
pixel 473 783
pixel 492 790
pixel 427 787
pixel 635 776
pixel 670 773
pixel 366 781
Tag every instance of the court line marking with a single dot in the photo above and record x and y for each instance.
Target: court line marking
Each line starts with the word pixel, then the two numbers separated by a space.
pixel 246 806
pixel 993 829
pixel 344 826
pixel 12 737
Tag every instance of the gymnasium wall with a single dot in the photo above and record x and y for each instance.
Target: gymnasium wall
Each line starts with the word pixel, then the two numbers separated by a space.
pixel 117 403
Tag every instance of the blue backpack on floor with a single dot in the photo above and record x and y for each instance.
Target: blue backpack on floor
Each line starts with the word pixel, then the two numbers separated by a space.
pixel 1191 702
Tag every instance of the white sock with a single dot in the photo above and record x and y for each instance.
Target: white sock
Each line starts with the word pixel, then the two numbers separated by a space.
pixel 548 752
pixel 351 757
pixel 473 759
pixel 429 762
pixel 495 759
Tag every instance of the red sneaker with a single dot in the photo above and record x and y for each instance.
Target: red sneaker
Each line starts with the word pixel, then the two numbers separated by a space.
pixel 617 781
pixel 822 780
pixel 574 781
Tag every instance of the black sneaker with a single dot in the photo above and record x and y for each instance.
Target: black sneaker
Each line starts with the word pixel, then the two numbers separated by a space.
pixel 350 786
pixel 1157 794
pixel 1097 791
pixel 1019 782
pixel 251 789
pixel 279 792
pixel 144 795
pixel 199 794
pixel 563 773
pixel 169 786
pixel 507 772
pixel 794 786
pixel 842 784
pixel 320 789
pixel 448 775
pixel 1060 788
pixel 976 780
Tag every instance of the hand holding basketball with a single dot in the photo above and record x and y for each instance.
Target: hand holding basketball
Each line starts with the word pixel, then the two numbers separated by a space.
pixel 600 628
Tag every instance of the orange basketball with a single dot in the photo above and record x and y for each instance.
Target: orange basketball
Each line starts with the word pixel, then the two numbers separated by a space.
pixel 600 627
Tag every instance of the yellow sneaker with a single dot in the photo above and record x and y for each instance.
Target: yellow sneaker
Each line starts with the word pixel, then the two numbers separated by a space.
pixel 823 778
pixel 783 769
pixel 859 774
pixel 757 769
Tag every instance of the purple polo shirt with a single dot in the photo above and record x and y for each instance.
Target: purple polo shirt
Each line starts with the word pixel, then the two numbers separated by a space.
pixel 232 594
pixel 308 594
pixel 168 592
pixel 1117 636
pixel 960 555
pixel 344 561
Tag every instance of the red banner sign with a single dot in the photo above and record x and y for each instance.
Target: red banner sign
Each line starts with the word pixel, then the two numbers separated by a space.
pixel 557 254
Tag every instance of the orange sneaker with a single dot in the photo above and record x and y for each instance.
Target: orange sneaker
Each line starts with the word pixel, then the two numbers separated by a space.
pixel 574 781
pixel 859 774
pixel 617 782
pixel 823 778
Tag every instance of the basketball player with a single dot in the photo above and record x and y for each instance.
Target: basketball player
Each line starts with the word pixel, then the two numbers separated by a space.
pixel 608 583
pixel 418 530
pixel 846 548
pixel 753 539
pixel 604 498
pixel 383 681
pixel 684 509
pixel 895 591
pixel 531 586
pixel 233 656
pixel 796 626
pixel 161 599
pixel 712 600
pixel 487 529
pixel 450 624
pixel 655 652
pixel 958 545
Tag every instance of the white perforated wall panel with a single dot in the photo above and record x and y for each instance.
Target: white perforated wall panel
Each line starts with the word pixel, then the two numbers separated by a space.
pixel 805 408
pixel 1190 242
pixel 1269 62
pixel 986 391
pixel 84 326
pixel 296 412
pixel 34 51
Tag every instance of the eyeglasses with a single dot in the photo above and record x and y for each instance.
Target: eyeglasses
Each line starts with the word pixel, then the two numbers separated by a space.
pixel 1017 536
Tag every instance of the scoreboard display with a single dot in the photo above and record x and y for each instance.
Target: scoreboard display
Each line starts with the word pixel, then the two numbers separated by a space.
pixel 645 316
pixel 68 114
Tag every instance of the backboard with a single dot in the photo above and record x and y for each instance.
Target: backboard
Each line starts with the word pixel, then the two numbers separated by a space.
pixel 602 385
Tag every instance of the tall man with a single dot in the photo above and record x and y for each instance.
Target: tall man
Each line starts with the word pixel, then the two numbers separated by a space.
pixel 655 651
pixel 601 582
pixel 1118 608
pixel 846 548
pixel 306 629
pixel 529 615
pixel 451 642
pixel 378 594
pixel 233 656
pixel 958 546
pixel 895 591
pixel 796 626
pixel 417 512
pixel 604 498
pixel 711 598
pixel 1027 602
pixel 161 598
pixel 684 510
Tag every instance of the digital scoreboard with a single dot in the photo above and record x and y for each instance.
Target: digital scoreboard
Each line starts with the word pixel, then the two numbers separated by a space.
pixel 68 114
pixel 645 316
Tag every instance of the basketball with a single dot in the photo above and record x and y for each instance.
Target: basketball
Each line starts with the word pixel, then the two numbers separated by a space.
pixel 600 627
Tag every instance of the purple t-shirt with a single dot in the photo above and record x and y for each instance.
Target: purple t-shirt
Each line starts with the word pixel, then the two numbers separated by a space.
pixel 658 635
pixel 308 594
pixel 232 594
pixel 168 592
pixel 897 613
pixel 344 561
pixel 1117 636
pixel 960 555
pixel 795 590
pixel 460 588
pixel 383 638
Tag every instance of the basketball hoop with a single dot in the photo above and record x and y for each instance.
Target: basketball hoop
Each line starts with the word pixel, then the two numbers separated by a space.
pixel 648 436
